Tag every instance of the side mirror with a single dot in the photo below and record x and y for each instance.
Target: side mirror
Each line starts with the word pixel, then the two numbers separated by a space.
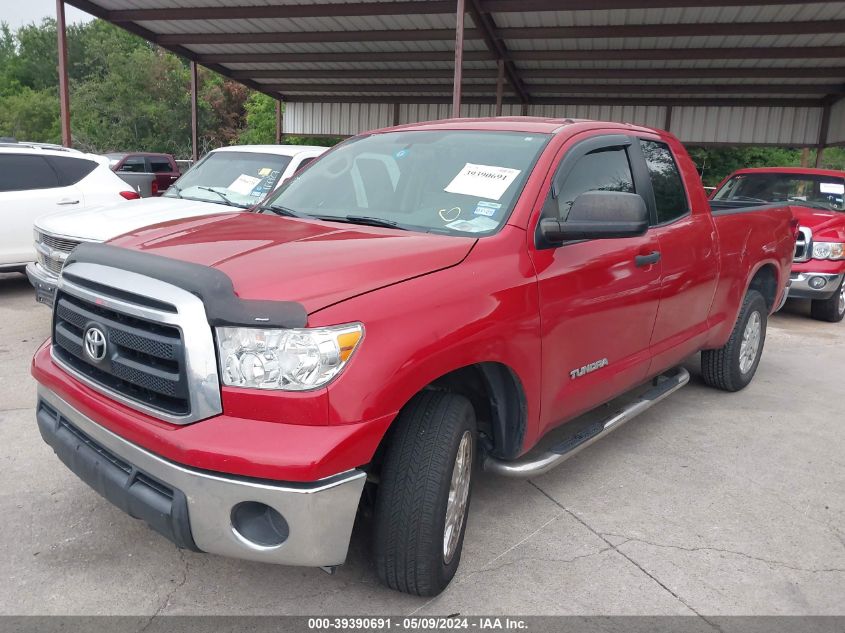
pixel 596 215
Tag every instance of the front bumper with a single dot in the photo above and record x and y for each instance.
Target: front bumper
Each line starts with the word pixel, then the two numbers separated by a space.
pixel 800 285
pixel 43 282
pixel 197 509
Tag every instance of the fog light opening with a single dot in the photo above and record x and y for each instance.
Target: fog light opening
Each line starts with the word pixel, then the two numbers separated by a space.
pixel 817 283
pixel 259 525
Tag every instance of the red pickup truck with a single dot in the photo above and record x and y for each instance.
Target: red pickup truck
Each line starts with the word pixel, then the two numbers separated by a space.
pixel 818 199
pixel 418 302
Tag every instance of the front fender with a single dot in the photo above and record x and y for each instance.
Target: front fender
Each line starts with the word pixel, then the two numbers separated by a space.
pixel 482 310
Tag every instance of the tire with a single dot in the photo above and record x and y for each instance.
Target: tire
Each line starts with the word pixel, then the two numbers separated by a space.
pixel 733 366
pixel 831 310
pixel 414 490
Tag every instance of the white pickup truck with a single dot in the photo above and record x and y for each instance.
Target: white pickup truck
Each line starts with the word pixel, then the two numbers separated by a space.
pixel 238 176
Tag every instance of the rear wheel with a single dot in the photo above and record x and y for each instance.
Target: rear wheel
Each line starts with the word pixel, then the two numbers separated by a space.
pixel 833 309
pixel 423 495
pixel 733 366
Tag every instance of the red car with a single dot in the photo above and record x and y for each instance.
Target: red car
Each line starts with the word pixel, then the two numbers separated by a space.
pixel 817 197
pixel 417 302
pixel 162 165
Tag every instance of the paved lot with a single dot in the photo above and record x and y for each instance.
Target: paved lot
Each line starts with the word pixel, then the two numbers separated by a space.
pixel 710 503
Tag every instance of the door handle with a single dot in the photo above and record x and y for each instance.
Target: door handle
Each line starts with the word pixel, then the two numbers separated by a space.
pixel 67 201
pixel 647 260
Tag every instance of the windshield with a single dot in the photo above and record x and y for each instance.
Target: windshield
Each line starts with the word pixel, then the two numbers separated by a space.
pixel 821 192
pixel 238 179
pixel 453 182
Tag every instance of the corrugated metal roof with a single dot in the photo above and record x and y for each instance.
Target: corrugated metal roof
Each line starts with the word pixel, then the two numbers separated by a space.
pixel 742 61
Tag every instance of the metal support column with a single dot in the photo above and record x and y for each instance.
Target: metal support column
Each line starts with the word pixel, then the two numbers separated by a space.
pixel 500 86
pixel 667 123
pixel 64 93
pixel 459 59
pixel 823 130
pixel 278 121
pixel 194 135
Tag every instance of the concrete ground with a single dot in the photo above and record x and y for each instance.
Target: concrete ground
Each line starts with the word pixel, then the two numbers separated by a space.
pixel 710 503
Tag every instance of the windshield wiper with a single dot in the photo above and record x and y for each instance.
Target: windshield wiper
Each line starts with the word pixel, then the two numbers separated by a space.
pixel 225 198
pixel 175 189
pixel 280 210
pixel 362 219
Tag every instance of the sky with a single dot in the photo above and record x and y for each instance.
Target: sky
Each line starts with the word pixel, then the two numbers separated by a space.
pixel 17 12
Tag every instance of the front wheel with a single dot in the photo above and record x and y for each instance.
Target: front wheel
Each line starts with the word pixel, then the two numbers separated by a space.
pixel 832 309
pixel 733 366
pixel 423 495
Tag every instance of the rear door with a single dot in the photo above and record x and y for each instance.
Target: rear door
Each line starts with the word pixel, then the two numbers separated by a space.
pixel 29 188
pixel 690 266
pixel 598 298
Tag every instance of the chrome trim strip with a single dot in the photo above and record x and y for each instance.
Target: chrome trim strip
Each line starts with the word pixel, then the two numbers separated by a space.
pixel 537 464
pixel 190 318
pixel 320 514
pixel 807 235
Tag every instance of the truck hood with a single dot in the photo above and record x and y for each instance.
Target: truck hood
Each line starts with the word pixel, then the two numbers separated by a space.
pixel 102 223
pixel 826 225
pixel 288 259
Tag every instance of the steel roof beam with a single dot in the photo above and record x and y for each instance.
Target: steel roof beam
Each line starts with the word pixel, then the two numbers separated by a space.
pixel 495 45
pixel 491 34
pixel 416 7
pixel 591 88
pixel 654 101
pixel 641 54
pixel 826 72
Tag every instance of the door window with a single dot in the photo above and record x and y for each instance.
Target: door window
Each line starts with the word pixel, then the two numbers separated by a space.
pixel 670 197
pixel 71 170
pixel 605 169
pixel 160 165
pixel 21 172
pixel 134 164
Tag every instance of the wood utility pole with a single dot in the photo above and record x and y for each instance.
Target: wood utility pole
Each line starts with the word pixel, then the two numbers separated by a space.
pixel 64 92
pixel 459 59
pixel 194 135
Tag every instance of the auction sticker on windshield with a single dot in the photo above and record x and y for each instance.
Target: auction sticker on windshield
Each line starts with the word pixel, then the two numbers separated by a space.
pixel 476 225
pixel 243 184
pixel 482 181
pixel 832 187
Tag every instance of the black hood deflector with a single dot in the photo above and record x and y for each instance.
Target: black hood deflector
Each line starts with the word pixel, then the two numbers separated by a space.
pixel 212 286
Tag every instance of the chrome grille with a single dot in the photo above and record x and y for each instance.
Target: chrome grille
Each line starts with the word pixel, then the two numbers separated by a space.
pixel 803 245
pixel 58 243
pixel 144 360
pixel 159 355
pixel 52 251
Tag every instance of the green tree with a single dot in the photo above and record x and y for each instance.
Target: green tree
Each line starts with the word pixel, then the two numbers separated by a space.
pixel 260 120
pixel 30 115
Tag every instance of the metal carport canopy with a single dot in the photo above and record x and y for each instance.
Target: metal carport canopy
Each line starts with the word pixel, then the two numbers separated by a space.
pixel 764 72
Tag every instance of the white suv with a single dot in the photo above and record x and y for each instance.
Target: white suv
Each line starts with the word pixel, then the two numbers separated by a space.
pixel 37 179
pixel 226 179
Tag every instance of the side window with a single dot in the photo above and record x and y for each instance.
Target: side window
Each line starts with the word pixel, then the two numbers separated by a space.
pixel 160 165
pixel 605 169
pixel 304 162
pixel 21 172
pixel 670 197
pixel 70 170
pixel 134 164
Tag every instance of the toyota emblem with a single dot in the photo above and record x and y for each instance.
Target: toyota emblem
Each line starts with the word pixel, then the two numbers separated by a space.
pixel 95 344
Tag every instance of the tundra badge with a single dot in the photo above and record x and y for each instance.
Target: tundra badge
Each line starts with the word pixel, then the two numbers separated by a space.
pixel 586 369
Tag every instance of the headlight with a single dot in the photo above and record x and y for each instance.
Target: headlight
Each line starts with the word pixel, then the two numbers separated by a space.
pixel 290 360
pixel 828 250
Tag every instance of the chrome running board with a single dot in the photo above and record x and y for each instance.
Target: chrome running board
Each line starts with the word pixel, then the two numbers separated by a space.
pixel 532 465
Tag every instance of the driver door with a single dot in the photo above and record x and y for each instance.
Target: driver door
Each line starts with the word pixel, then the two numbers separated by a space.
pixel 598 298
